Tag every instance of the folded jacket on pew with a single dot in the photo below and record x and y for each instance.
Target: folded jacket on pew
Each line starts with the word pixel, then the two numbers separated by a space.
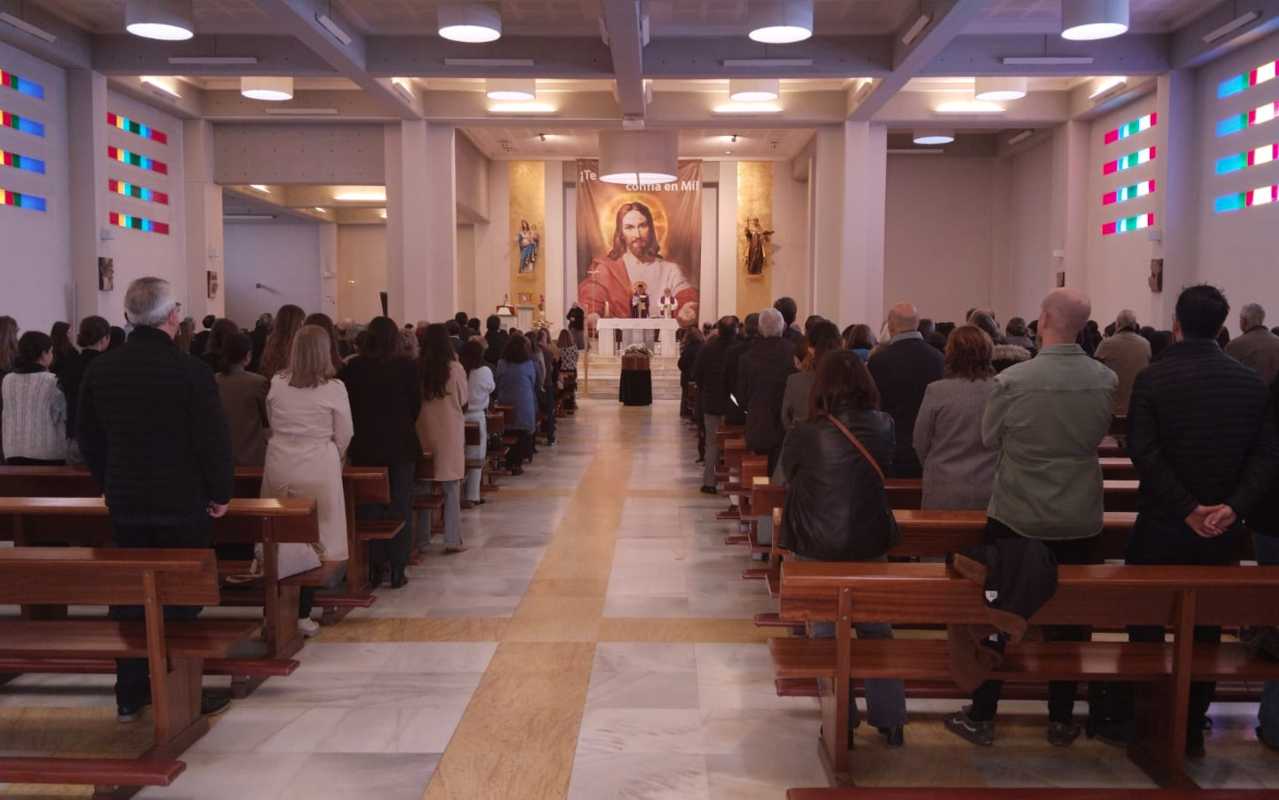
pixel 1018 576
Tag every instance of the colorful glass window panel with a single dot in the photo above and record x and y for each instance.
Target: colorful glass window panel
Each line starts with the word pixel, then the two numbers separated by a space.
pixel 12 160
pixel 1240 122
pixel 137 160
pixel 1252 158
pixel 21 124
pixel 1242 83
pixel 21 85
pixel 136 128
pixel 1261 196
pixel 1132 128
pixel 1128 224
pixel 1125 193
pixel 18 200
pixel 137 192
pixel 139 223
pixel 1129 161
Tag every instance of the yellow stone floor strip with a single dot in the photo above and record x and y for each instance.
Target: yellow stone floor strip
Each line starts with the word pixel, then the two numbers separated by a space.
pixel 519 733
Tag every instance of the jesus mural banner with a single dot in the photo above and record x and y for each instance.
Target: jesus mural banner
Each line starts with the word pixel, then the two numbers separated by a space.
pixel 639 242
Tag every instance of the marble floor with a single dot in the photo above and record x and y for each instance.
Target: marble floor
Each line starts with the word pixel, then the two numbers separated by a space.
pixel 594 642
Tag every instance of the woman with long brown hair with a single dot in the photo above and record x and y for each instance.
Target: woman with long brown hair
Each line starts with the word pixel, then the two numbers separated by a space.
pixel 959 469
pixel 326 322
pixel 279 343
pixel 823 337
pixel 311 428
pixel 441 427
pixel 836 506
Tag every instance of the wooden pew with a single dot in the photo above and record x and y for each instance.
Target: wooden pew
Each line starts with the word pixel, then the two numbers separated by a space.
pixel 176 650
pixel 496 456
pixel 85 521
pixel 908 493
pixel 1119 468
pixel 1054 793
pixel 1110 596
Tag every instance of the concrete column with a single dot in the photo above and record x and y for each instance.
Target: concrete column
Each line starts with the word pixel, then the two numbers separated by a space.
pixel 328 235
pixel 1070 203
pixel 203 215
pixel 861 224
pixel 86 115
pixel 553 244
pixel 1175 193
pixel 727 246
pixel 421 228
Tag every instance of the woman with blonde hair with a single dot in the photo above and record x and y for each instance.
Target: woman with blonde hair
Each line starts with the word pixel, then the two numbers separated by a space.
pixel 279 343
pixel 311 427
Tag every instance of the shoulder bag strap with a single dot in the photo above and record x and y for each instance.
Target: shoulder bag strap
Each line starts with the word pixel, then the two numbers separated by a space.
pixel 856 443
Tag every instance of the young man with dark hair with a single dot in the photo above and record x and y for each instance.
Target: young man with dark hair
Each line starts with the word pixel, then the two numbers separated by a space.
pixel 789 310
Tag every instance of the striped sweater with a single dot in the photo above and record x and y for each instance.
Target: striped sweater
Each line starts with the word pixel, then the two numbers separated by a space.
pixel 34 416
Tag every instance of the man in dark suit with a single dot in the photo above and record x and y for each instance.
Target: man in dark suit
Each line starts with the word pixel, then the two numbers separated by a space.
pixel 496 339
pixel 153 433
pixel 735 410
pixel 902 370
pixel 1204 448
pixel 789 309
pixel 708 374
pixel 201 341
pixel 761 384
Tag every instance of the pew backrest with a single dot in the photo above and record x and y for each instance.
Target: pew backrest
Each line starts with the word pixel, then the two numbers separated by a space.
pixel 90 576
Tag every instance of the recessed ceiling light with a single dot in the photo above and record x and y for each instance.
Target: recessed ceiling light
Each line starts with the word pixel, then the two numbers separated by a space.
pixel 968 107
pixel 1104 85
pixel 1000 89
pixel 754 90
pixel 373 195
pixel 1089 20
pixel 471 24
pixel 264 189
pixel 165 20
pixel 521 108
pixel 163 83
pixel 322 210
pixel 514 89
pixel 933 137
pixel 274 89
pixel 781 21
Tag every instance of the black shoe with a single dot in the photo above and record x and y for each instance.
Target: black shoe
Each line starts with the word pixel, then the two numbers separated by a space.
pixel 214 703
pixel 398 578
pixel 1116 734
pixel 709 490
pixel 375 577
pixel 965 727
pixel 894 736
pixel 1062 734
pixel 132 713
pixel 1261 738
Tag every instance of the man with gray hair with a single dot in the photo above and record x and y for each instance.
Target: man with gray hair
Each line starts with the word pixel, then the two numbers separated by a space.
pixel 1126 353
pixel 153 434
pixel 1046 417
pixel 1257 348
pixel 761 386
pixel 902 369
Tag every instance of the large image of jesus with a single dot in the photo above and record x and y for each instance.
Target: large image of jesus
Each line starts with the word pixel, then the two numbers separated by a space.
pixel 635 258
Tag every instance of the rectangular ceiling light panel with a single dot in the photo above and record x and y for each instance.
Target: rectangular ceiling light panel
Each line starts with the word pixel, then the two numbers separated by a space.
pixel 136 128
pixel 137 160
pixel 1261 196
pixel 1128 224
pixel 1242 83
pixel 21 85
pixel 1132 128
pixel 1129 161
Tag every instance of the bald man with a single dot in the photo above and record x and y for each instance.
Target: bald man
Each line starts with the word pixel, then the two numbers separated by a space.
pixel 902 370
pixel 1046 418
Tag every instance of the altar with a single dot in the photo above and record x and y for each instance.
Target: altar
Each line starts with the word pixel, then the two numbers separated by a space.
pixel 639 331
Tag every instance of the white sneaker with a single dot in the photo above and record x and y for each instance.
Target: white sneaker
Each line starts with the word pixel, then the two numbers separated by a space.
pixel 309 627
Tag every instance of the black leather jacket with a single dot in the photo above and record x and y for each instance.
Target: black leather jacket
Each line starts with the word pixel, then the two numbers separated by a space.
pixel 836 508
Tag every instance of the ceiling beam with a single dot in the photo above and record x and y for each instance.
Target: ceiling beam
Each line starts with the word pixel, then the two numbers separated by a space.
pixel 949 18
pixel 1132 54
pixel 122 54
pixel 299 18
pixel 915 109
pixel 820 56
pixel 626 43
pixel 72 49
pixel 552 57
pixel 1189 49
pixel 224 106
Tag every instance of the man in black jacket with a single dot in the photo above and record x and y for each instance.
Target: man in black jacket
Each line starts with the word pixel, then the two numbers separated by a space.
pixel 789 309
pixel 708 374
pixel 902 370
pixel 152 431
pixel 735 410
pixel 1204 448
pixel 761 384
pixel 496 338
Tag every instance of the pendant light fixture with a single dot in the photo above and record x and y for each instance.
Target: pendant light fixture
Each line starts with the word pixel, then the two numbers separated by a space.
pixel 1000 89
pixel 166 20
pixel 469 23
pixel 1089 20
pixel 641 158
pixel 271 88
pixel 512 89
pixel 780 21
pixel 754 90
pixel 933 137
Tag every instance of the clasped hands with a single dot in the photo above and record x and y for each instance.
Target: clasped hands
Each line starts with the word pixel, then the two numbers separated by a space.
pixel 1210 522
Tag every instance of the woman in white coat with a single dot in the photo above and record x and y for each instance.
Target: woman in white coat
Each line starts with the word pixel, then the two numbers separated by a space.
pixel 480 386
pixel 311 428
